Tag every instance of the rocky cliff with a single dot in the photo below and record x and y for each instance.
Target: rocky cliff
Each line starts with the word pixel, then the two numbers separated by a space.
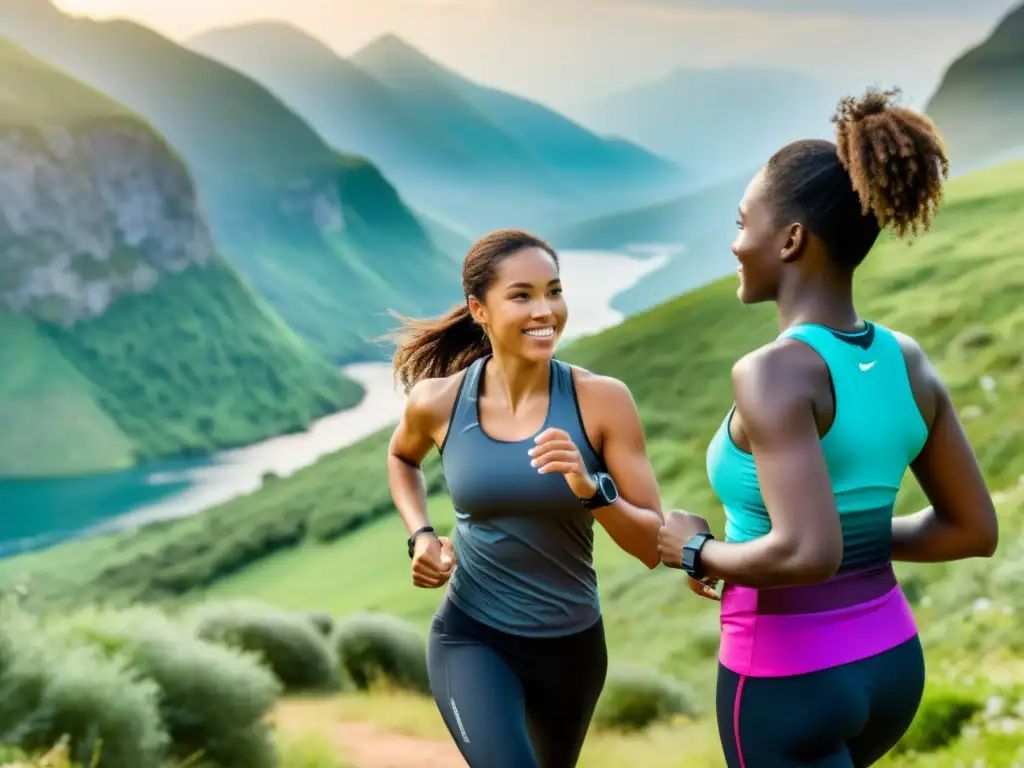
pixel 126 336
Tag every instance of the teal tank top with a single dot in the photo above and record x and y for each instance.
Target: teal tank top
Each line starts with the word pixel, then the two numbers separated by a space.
pixel 524 546
pixel 877 432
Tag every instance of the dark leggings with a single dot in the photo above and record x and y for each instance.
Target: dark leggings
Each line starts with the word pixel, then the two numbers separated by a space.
pixel 843 717
pixel 514 702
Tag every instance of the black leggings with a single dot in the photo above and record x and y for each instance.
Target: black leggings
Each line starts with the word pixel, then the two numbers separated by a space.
pixel 843 717
pixel 514 702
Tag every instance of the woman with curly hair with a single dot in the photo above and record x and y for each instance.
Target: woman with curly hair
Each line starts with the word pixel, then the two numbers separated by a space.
pixel 820 661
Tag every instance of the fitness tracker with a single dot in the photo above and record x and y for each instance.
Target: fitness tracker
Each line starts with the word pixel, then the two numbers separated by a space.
pixel 412 539
pixel 607 493
pixel 691 555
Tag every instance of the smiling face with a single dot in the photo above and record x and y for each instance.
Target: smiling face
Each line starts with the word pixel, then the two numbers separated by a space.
pixel 762 246
pixel 523 310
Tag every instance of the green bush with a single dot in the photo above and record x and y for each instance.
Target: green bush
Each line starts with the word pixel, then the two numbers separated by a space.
pixel 56 686
pixel 322 621
pixel 287 643
pixel 939 720
pixel 634 698
pixel 377 648
pixel 212 699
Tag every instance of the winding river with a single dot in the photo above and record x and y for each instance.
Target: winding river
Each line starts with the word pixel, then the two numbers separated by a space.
pixel 40 513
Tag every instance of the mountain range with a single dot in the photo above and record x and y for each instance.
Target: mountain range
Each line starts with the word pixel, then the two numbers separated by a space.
pixel 191 235
pixel 979 104
pixel 472 156
pixel 126 335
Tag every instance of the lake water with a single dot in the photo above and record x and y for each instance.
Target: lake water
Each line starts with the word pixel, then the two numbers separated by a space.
pixel 40 513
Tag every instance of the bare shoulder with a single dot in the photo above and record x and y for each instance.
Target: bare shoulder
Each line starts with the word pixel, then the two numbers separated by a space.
pixel 925 383
pixel 602 391
pixel 782 371
pixel 430 401
pixel 918 364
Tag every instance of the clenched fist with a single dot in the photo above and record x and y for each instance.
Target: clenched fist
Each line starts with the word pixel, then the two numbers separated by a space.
pixel 433 560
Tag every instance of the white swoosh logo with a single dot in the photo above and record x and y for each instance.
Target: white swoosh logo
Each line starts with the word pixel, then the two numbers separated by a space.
pixel 867 366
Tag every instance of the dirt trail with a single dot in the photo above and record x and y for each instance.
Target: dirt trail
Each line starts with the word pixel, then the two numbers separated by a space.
pixel 365 744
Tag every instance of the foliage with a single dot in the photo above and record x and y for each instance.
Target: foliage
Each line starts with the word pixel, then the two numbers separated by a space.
pixel 375 648
pixel 212 699
pixel 54 686
pixel 634 698
pixel 300 658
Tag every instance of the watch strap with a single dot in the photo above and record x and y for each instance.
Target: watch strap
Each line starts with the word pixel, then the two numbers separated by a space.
pixel 600 497
pixel 416 534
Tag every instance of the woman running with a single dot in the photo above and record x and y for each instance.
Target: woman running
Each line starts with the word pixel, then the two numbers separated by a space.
pixel 529 445
pixel 820 662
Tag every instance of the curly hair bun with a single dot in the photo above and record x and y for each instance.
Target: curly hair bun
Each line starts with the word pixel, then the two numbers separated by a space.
pixel 896 159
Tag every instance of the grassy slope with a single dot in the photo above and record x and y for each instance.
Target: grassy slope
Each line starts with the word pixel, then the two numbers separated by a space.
pixel 224 372
pixel 956 291
pixel 978 104
pixel 195 364
pixel 269 182
pixel 76 435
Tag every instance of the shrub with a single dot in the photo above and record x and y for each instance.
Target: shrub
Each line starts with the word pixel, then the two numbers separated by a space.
pixel 322 621
pixel 55 686
pixel 213 699
pixel 634 698
pixel 939 720
pixel 287 643
pixel 377 648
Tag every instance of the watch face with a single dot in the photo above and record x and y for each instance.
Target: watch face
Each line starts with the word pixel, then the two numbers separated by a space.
pixel 608 489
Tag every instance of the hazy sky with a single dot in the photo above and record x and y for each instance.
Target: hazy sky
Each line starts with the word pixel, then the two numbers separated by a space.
pixel 565 52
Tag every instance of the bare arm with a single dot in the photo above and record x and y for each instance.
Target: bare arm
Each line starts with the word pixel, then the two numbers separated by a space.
pixel 634 520
pixel 961 522
pixel 412 440
pixel 774 398
pixel 410 443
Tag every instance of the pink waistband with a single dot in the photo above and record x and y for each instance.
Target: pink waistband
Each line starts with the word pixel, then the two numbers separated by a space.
pixel 781 645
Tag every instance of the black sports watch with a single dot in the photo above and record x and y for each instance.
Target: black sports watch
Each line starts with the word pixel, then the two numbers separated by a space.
pixel 691 555
pixel 607 493
pixel 412 539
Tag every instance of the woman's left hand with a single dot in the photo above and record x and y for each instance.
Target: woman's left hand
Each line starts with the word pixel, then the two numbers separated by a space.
pixel 556 452
pixel 678 528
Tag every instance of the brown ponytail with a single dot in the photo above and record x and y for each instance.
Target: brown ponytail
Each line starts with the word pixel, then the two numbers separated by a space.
pixel 442 346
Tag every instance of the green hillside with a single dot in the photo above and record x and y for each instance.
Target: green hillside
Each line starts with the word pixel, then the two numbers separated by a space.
pixel 142 342
pixel 979 105
pixel 697 229
pixel 275 193
pixel 328 537
pixel 76 435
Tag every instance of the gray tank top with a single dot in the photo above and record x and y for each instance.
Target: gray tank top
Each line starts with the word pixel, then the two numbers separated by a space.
pixel 523 544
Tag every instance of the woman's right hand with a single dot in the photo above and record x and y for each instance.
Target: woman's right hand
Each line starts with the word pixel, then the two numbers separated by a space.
pixel 433 561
